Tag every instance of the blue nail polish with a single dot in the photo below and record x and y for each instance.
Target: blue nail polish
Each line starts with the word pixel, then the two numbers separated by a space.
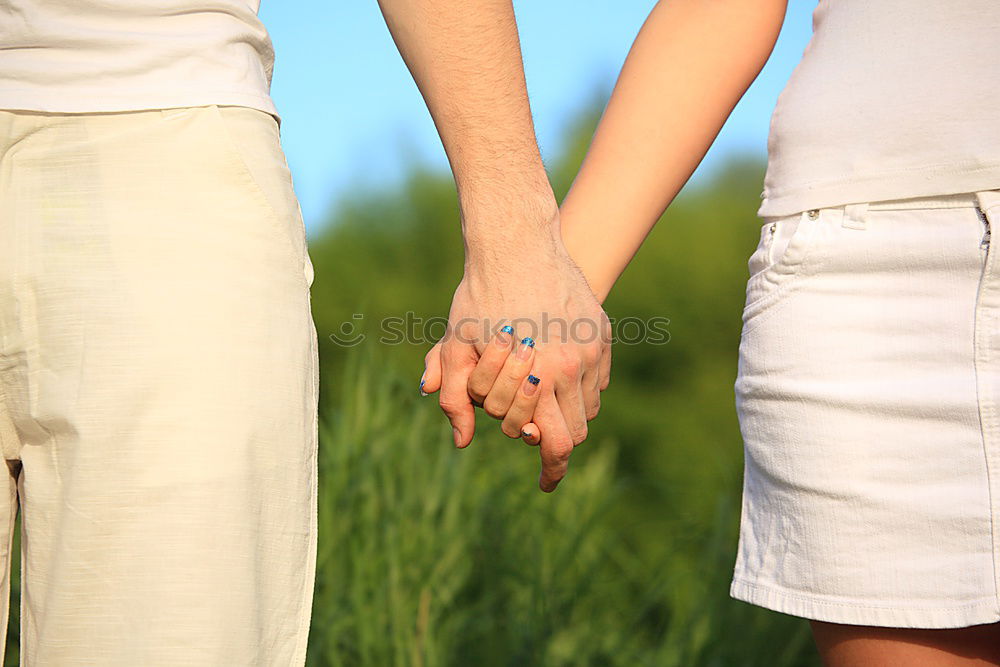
pixel 422 392
pixel 508 329
pixel 534 380
pixel 525 434
pixel 528 342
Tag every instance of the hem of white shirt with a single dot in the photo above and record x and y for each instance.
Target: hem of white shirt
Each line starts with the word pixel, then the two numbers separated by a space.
pixel 91 101
pixel 945 179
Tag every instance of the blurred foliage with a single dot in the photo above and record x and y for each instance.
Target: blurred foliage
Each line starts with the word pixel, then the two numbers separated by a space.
pixel 434 556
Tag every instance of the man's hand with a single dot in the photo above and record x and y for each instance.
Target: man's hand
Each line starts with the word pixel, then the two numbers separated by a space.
pixel 538 291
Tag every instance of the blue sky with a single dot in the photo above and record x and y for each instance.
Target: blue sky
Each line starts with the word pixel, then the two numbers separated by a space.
pixel 352 116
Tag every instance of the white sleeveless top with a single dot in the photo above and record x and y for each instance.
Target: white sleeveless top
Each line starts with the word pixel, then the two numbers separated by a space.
pixel 893 99
pixel 121 55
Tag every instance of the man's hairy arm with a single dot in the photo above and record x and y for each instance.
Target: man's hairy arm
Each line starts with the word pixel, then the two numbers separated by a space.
pixel 466 60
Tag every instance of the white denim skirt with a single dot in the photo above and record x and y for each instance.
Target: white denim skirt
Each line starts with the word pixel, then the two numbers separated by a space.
pixel 868 396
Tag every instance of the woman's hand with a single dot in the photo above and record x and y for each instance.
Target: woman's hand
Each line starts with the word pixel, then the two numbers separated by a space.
pixel 504 380
pixel 506 387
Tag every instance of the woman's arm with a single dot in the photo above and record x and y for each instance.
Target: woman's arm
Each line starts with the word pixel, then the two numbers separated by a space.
pixel 689 66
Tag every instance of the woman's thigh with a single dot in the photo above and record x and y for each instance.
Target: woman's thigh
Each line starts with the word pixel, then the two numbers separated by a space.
pixel 866 646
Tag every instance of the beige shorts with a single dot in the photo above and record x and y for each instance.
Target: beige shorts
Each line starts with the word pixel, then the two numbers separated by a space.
pixel 158 388
pixel 868 395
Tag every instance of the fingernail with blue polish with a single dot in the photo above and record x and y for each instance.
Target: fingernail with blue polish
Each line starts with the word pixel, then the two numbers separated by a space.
pixel 525 434
pixel 532 386
pixel 524 351
pixel 504 336
pixel 422 392
pixel 534 380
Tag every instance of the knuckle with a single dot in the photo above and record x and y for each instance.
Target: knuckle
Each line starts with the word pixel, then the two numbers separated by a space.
pixel 509 430
pixel 579 434
pixel 571 367
pixel 493 408
pixel 561 450
pixel 557 465
pixel 476 391
pixel 592 354
pixel 511 375
pixel 450 407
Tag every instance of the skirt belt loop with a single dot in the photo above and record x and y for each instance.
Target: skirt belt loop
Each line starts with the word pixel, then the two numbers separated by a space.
pixel 855 216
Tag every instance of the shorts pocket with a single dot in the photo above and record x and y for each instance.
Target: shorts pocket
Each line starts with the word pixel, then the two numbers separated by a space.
pixel 777 262
pixel 251 140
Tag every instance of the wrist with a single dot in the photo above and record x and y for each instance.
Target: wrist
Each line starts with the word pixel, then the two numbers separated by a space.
pixel 591 257
pixel 503 227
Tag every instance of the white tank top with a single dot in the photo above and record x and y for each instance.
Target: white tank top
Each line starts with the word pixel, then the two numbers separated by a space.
pixel 121 55
pixel 893 99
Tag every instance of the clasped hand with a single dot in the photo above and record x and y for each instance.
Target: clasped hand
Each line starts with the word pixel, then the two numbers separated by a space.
pixel 534 353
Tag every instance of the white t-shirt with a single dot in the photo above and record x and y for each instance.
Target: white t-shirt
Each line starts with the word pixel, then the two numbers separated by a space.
pixel 893 99
pixel 122 55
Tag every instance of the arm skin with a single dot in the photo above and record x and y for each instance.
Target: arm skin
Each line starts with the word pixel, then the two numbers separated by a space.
pixel 466 60
pixel 690 64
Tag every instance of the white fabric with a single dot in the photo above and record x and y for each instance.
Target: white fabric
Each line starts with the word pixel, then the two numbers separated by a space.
pixel 893 99
pixel 120 55
pixel 868 396
pixel 159 379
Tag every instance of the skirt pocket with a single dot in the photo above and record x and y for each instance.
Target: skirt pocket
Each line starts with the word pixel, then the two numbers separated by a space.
pixel 776 263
